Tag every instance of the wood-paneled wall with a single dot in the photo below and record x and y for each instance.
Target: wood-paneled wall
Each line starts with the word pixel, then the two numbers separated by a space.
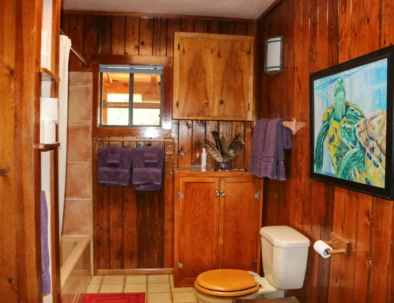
pixel 319 34
pixel 133 230
pixel 154 36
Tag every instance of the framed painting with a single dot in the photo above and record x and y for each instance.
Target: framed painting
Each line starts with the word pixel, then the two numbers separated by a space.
pixel 351 107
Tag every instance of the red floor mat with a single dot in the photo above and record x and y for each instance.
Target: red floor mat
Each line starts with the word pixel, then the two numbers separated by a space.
pixel 114 298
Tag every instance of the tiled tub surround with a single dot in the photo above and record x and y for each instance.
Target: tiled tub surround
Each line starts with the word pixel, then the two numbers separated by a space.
pixel 78 212
pixel 157 288
pixel 76 268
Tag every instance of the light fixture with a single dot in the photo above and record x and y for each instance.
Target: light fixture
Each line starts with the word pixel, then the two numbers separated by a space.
pixel 273 55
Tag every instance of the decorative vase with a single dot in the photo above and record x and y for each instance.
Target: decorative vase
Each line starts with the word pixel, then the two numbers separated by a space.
pixel 225 165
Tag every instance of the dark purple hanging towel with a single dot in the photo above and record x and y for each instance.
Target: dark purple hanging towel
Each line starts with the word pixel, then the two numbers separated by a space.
pixel 147 167
pixel 46 275
pixel 270 138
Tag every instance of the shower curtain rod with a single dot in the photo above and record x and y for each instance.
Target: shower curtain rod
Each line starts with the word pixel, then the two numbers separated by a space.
pixel 77 54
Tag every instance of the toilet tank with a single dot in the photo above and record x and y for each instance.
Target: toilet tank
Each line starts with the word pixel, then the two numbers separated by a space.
pixel 285 254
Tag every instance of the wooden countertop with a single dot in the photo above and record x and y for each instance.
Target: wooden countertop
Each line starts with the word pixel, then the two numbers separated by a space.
pixel 211 173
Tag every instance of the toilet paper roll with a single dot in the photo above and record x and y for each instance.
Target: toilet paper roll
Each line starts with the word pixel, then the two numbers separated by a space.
pixel 49 109
pixel 320 247
pixel 49 131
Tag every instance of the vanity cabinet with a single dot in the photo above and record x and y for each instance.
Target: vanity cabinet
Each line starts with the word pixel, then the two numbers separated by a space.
pixel 213 77
pixel 217 223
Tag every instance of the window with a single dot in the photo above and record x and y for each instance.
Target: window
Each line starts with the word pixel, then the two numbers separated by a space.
pixel 130 95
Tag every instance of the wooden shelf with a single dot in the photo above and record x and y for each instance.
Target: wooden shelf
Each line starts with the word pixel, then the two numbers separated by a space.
pixel 47 75
pixel 46 147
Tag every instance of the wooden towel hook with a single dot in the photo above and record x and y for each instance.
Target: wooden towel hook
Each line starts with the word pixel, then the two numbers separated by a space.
pixel 293 125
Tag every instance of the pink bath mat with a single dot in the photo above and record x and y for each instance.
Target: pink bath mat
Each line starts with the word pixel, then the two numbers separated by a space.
pixel 115 298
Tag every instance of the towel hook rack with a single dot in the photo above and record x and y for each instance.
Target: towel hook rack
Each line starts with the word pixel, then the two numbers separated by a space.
pixel 294 125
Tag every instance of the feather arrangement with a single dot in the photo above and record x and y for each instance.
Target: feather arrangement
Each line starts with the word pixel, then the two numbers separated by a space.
pixel 221 152
pixel 213 151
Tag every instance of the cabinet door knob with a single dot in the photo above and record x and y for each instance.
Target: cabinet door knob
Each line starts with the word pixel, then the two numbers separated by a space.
pixel 221 101
pixel 222 193
pixel 4 171
pixel 217 194
pixel 206 101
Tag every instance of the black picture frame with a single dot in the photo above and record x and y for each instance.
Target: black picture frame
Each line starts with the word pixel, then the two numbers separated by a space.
pixel 348 150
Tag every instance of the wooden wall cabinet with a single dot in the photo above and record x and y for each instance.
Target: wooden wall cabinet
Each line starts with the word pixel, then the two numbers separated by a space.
pixel 213 77
pixel 217 223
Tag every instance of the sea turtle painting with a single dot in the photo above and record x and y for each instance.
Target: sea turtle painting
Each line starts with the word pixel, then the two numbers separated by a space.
pixel 339 128
pixel 350 139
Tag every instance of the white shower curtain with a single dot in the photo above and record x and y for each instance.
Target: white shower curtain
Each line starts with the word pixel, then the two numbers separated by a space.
pixel 65 46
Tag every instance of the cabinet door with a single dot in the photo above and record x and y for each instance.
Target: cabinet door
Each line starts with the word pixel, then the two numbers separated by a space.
pixel 196 228
pixel 240 222
pixel 193 76
pixel 233 97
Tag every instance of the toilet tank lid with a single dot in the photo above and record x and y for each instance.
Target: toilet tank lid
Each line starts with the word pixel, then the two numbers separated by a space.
pixel 284 236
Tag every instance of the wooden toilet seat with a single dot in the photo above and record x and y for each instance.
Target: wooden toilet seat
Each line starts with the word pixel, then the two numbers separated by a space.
pixel 226 283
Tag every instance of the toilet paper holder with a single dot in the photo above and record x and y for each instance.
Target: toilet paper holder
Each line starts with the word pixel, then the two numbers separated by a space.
pixel 339 245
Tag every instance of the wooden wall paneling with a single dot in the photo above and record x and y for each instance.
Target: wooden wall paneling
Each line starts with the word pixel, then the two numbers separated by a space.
pixel 187 25
pixel 156 239
pixel 160 37
pixel 198 135
pixel 226 27
pixel 102 227
pixel 146 37
pixel 104 36
pixel 8 215
pixel 240 29
pixel 185 143
pixel 168 213
pixel 116 224
pixel 89 38
pixel 200 26
pixel 77 37
pixel 132 36
pixel 213 27
pixel 118 35
pixel 143 222
pixel 130 232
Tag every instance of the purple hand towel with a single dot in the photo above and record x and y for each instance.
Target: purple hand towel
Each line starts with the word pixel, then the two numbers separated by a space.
pixel 147 164
pixel 114 165
pixel 46 275
pixel 270 139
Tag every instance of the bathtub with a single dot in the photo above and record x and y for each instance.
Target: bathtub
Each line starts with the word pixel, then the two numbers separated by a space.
pixel 76 267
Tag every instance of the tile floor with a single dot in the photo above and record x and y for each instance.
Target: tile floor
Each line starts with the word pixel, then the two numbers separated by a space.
pixel 157 288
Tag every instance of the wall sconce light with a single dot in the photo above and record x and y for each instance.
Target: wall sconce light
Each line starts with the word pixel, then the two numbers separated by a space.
pixel 273 55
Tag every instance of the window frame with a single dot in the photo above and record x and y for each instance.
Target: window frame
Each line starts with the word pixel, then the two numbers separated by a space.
pixel 131 95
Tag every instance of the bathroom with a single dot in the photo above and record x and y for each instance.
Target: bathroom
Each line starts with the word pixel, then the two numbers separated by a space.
pixel 316 35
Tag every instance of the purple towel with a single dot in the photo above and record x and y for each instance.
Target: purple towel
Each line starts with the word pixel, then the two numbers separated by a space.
pixel 46 275
pixel 114 165
pixel 270 138
pixel 147 163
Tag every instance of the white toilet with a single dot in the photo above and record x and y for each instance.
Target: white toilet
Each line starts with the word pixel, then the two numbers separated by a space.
pixel 284 253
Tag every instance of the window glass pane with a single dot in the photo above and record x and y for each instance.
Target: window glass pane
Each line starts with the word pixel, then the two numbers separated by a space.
pixel 146 116
pixel 123 84
pixel 146 99
pixel 115 98
pixel 117 116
